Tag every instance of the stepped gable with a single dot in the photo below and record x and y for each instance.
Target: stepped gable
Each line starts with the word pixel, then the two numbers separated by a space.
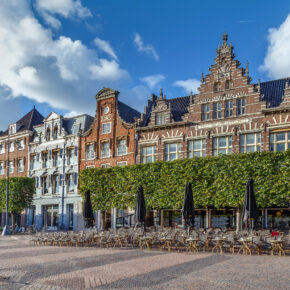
pixel 272 92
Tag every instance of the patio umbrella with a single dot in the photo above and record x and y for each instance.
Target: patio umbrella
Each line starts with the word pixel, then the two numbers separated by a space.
pixel 188 208
pixel 250 210
pixel 88 211
pixel 140 208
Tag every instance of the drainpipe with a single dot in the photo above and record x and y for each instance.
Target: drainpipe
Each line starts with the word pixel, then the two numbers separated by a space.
pixel 63 183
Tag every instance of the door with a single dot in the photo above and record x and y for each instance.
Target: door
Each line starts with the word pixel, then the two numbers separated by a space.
pixel 51 217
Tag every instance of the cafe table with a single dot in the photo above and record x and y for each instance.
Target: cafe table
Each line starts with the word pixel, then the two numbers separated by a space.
pixel 245 245
pixel 218 246
pixel 168 243
pixel 277 245
pixel 192 244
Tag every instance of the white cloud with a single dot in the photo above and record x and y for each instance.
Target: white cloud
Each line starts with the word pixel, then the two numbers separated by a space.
pixel 277 59
pixel 61 72
pixel 105 47
pixel 65 8
pixel 145 48
pixel 188 85
pixel 153 80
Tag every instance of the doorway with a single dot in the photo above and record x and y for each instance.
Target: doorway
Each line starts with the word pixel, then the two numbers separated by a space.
pixel 50 216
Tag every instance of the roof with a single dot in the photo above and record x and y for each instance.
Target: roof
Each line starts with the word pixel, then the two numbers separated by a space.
pixel 127 113
pixel 273 92
pixel 179 107
pixel 27 122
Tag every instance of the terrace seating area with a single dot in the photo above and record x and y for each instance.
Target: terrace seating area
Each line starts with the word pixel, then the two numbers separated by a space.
pixel 173 239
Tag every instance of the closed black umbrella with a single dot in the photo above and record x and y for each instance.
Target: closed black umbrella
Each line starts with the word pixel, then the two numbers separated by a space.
pixel 250 210
pixel 188 208
pixel 140 208
pixel 88 211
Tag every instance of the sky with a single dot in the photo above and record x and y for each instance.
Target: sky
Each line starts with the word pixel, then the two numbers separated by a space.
pixel 57 54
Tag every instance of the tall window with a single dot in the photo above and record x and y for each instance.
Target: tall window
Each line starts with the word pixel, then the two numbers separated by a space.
pixel 106 128
pixel 2 148
pixel 172 151
pixel 44 159
pixel 205 108
pixel 47 134
pixel 229 109
pixel 56 158
pixel 33 162
pixel 148 154
pixel 44 184
pixel 55 183
pixel 280 141
pixel 227 85
pixel 222 145
pixel 2 170
pixel 122 147
pixel 70 156
pixel 11 167
pixel 11 147
pixel 250 142
pixel 20 165
pixel 105 149
pixel 90 153
pixel 21 144
pixel 196 148
pixel 217 110
pixel 215 87
pixel 160 118
pixel 70 182
pixel 241 106
pixel 55 132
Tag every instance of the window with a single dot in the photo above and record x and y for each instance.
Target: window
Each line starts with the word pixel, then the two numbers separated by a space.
pixel 222 145
pixel 75 128
pixel 280 141
pixel 70 182
pixel 11 147
pixel 205 112
pixel 90 153
pixel 241 106
pixel 56 158
pixel 122 163
pixel 172 151
pixel 2 148
pixel 2 170
pixel 21 144
pixel 55 183
pixel 44 184
pixel 250 142
pixel 196 148
pixel 70 156
pixel 105 165
pixel 33 162
pixel 227 85
pixel 20 165
pixel 215 87
pixel 47 135
pixel 217 110
pixel 229 110
pixel 106 128
pixel 122 147
pixel 160 119
pixel 148 154
pixel 12 129
pixel 105 149
pixel 70 216
pixel 55 132
pixel 44 159
pixel 11 167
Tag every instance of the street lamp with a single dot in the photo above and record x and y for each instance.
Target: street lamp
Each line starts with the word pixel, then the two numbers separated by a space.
pixel 6 228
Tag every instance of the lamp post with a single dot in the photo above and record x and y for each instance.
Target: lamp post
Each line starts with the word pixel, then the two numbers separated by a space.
pixel 6 228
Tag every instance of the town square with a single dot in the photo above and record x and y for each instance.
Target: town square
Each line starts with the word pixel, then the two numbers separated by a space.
pixel 140 148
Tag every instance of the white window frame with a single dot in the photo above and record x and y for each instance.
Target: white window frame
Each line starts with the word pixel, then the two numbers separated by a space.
pixel 241 106
pixel 160 118
pixel 122 163
pixel 196 152
pixel 229 108
pixel 56 158
pixel 55 181
pixel 217 114
pixel 70 178
pixel 176 152
pixel 106 128
pixel 105 165
pixel 90 154
pixel 107 151
pixel 45 189
pixel 2 168
pixel 33 165
pixel 123 147
pixel 2 148
pixel 20 169
pixel 228 147
pixel 145 155
pixel 11 168
pixel 70 156
pixel 274 142
pixel 205 112
pixel 11 147
pixel 12 129
pixel 244 146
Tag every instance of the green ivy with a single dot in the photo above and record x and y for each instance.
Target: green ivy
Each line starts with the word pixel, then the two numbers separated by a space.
pixel 216 181
pixel 21 190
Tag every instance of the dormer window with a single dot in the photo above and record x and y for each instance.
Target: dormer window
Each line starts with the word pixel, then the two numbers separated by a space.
pixel 205 109
pixel 55 132
pixel 12 129
pixel 216 87
pixel 160 119
pixel 47 134
pixel 106 128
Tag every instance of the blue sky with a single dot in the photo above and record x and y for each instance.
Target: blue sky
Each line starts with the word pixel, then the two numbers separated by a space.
pixel 58 53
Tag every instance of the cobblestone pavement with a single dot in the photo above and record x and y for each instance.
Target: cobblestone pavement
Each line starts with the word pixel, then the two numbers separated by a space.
pixel 33 267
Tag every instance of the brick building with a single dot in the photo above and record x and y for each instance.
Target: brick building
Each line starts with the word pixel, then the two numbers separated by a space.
pixel 17 137
pixel 111 139
pixel 228 115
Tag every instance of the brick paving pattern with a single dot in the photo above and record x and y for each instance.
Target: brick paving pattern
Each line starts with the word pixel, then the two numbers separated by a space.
pixel 34 267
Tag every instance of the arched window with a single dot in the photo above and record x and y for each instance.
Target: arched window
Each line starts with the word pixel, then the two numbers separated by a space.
pixel 215 87
pixel 47 134
pixel 55 132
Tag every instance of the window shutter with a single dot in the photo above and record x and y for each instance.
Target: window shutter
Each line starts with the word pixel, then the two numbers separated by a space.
pixel 60 152
pixel 76 151
pixel 76 178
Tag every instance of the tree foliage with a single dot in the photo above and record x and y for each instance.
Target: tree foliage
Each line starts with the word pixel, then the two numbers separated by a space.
pixel 21 190
pixel 216 181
